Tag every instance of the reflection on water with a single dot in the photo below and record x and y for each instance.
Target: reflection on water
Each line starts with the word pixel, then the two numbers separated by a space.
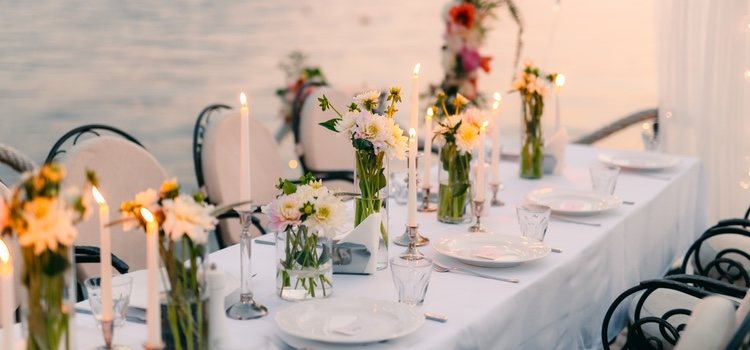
pixel 150 67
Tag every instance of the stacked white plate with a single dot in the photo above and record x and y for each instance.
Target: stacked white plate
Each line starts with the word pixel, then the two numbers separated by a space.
pixel 639 160
pixel 348 320
pixel 573 202
pixel 491 250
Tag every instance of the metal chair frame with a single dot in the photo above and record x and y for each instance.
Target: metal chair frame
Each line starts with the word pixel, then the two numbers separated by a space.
pixel 729 270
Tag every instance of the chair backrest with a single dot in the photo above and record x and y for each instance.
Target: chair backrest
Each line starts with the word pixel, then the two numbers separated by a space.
pixel 319 149
pixel 722 253
pixel 710 326
pixel 221 171
pixel 124 168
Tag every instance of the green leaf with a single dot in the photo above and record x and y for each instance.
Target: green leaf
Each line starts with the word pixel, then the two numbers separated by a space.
pixel 307 178
pixel 288 187
pixel 324 103
pixel 330 124
pixel 362 144
pixel 353 107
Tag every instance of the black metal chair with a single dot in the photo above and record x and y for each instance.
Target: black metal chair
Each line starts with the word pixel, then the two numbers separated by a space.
pixel 297 104
pixel 668 328
pixel 204 118
pixel 727 264
pixel 739 339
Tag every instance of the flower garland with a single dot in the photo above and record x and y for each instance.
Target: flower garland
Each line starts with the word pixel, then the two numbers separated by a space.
pixel 297 73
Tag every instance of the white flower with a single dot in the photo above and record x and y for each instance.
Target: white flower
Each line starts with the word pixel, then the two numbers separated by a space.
pixel 372 127
pixel 368 100
pixel 398 142
pixel 147 199
pixel 329 216
pixel 347 123
pixel 184 216
pixel 467 137
pixel 49 224
pixel 284 211
pixel 309 192
pixel 474 116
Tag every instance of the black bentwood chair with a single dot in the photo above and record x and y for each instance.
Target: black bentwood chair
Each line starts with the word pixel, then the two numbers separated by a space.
pixel 124 168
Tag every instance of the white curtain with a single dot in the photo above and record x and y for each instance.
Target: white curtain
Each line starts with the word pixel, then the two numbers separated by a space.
pixel 704 93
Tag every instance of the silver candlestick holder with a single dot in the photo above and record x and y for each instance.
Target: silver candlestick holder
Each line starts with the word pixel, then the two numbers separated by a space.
pixel 246 308
pixel 427 206
pixel 496 202
pixel 411 252
pixel 477 209
pixel 405 239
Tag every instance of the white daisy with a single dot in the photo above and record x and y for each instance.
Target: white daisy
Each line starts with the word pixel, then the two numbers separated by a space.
pixel 184 216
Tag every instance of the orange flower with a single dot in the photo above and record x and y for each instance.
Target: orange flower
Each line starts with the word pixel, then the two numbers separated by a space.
pixel 485 63
pixel 463 14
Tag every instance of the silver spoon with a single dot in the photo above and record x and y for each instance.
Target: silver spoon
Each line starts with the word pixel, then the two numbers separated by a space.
pixel 440 268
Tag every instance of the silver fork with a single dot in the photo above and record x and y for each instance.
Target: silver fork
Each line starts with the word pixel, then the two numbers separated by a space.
pixel 440 268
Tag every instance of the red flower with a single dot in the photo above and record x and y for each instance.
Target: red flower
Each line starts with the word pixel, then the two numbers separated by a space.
pixel 463 14
pixel 485 63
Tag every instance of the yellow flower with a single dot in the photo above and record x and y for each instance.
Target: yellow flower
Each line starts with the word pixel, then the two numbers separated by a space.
pixel 53 172
pixel 48 225
pixel 467 137
pixel 169 186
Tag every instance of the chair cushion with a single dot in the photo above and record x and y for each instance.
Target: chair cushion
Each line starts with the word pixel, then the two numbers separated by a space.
pixel 221 166
pixel 710 326
pixel 124 169
pixel 657 304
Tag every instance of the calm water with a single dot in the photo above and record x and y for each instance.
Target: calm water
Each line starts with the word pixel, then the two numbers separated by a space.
pixel 150 67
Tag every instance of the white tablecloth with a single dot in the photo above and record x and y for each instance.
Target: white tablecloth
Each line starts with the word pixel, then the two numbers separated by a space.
pixel 561 300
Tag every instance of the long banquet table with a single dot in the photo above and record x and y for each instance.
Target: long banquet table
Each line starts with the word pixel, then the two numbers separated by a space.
pixel 561 299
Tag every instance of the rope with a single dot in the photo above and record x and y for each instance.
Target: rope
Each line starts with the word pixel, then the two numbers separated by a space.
pixel 15 159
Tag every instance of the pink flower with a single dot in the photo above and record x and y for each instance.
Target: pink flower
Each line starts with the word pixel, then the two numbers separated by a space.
pixel 470 59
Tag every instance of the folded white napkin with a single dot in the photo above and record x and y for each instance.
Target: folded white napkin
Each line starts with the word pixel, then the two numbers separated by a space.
pixel 555 146
pixel 367 233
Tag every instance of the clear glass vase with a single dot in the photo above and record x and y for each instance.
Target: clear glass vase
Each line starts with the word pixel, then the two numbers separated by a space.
pixel 48 298
pixel 455 183
pixel 304 268
pixel 370 177
pixel 185 305
pixel 532 142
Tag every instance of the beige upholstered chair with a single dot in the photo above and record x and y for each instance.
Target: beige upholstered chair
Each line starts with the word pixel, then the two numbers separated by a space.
pixel 220 167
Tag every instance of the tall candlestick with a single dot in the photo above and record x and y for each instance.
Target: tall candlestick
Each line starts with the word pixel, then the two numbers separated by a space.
pixel 153 307
pixel 427 151
pixel 495 162
pixel 413 122
pixel 105 256
pixel 7 303
pixel 245 174
pixel 412 203
pixel 480 188
pixel 559 82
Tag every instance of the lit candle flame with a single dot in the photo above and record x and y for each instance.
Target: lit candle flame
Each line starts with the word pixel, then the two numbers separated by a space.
pixel 243 99
pixel 147 215
pixel 560 80
pixel 416 69
pixel 484 125
pixel 498 97
pixel 429 115
pixel 4 252
pixel 98 196
pixel 412 134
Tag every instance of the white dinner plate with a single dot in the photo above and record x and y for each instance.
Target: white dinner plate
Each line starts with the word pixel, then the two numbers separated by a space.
pixel 573 202
pixel 349 320
pixel 491 250
pixel 639 160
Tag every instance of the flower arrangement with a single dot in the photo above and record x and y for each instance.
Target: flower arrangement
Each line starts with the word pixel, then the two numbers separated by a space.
pixel 185 222
pixel 531 85
pixel 456 135
pixel 466 26
pixel 305 217
pixel 375 138
pixel 297 73
pixel 43 217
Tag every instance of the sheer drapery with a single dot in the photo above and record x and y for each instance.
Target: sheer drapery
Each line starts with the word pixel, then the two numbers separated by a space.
pixel 704 97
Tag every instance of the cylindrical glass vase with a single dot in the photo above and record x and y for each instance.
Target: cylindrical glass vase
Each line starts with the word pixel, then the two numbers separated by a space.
pixel 532 142
pixel 371 176
pixel 304 269
pixel 48 298
pixel 454 180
